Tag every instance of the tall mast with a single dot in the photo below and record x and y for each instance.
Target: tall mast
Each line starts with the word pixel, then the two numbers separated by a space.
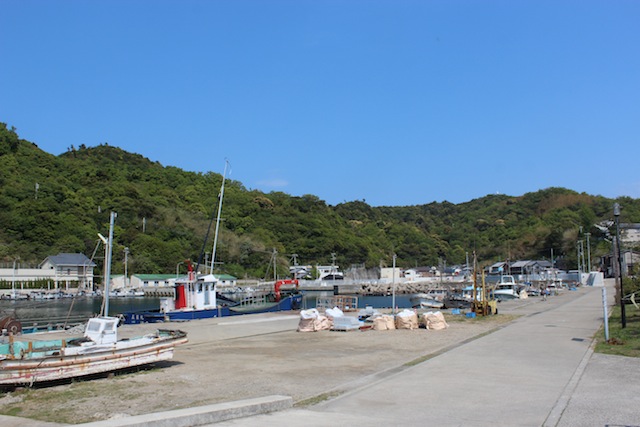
pixel 215 238
pixel 107 261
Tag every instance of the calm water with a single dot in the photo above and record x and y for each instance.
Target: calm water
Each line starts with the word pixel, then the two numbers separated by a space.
pixel 74 310
pixel 79 309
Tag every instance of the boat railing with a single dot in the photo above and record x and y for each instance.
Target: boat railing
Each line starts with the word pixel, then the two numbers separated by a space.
pixel 62 323
pixel 253 300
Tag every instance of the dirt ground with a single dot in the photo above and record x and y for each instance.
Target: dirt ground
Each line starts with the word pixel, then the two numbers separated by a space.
pixel 243 357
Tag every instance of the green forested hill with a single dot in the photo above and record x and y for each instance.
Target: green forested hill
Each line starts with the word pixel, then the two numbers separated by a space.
pixel 51 204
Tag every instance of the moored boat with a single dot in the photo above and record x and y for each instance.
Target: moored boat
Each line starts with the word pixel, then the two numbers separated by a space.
pixel 427 300
pixel 196 298
pixel 506 289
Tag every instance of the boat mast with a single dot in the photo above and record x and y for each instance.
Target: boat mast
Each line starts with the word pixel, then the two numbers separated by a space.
pixel 107 262
pixel 275 271
pixel 215 238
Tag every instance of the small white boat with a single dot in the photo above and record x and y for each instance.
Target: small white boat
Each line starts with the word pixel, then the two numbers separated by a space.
pixel 98 351
pixel 431 299
pixel 506 288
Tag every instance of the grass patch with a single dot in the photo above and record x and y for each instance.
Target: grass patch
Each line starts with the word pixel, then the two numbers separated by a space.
pixel 421 359
pixel 43 403
pixel 622 342
pixel 317 399
pixel 14 412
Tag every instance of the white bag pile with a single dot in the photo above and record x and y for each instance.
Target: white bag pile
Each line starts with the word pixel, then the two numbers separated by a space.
pixel 311 321
pixel 434 321
pixel 407 319
pixel 332 313
pixel 383 322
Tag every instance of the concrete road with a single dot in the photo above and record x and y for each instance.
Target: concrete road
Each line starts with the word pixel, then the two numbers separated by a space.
pixel 537 371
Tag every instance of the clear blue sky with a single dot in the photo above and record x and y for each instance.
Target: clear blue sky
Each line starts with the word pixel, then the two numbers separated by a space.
pixel 393 102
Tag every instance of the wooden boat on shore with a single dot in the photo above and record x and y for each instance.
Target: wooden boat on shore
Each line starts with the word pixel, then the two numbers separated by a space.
pixel 29 361
pixel 25 362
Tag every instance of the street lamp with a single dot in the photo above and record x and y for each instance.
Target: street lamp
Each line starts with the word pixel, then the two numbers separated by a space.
pixel 616 214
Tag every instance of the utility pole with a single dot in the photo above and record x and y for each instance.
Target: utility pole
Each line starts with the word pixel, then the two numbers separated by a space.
pixel 616 214
pixel 578 254
pixel 588 251
pixel 393 283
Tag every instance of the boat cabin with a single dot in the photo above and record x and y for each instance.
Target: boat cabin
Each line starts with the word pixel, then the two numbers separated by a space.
pixel 192 294
pixel 102 330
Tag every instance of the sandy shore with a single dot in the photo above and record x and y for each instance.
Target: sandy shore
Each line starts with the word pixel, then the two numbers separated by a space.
pixel 243 357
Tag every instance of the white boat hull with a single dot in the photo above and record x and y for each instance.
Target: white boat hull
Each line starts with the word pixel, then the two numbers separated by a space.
pixel 504 295
pixel 48 364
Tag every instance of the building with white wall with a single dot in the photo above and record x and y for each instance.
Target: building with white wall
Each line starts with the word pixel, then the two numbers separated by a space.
pixel 62 271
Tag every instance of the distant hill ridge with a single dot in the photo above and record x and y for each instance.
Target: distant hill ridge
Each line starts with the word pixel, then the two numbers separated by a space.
pixel 51 204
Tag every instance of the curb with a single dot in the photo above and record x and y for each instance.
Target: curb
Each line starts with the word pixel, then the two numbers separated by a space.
pixel 563 401
pixel 201 415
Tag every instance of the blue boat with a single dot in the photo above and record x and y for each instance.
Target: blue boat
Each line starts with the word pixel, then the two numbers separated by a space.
pixel 196 298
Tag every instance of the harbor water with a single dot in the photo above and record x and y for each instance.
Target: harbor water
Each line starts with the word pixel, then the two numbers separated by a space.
pixel 70 310
pixel 76 310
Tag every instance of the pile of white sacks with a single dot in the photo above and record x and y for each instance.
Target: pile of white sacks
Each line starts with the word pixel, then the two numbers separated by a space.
pixel 312 320
pixel 408 319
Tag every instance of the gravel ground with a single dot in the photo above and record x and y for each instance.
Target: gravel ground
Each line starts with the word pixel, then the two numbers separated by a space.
pixel 243 357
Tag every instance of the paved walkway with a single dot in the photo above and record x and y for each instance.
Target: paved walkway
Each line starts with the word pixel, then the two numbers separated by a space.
pixel 537 371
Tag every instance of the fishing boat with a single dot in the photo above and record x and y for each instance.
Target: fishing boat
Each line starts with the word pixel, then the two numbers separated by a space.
pixel 506 289
pixel 431 299
pixel 196 298
pixel 97 351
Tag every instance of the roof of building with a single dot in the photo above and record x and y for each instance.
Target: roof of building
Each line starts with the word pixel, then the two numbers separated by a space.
pixel 498 264
pixel 225 277
pixel 154 276
pixel 147 277
pixel 64 259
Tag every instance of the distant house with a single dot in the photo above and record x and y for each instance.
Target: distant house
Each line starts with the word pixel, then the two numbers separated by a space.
pixel 65 270
pixel 630 234
pixel 162 284
pixel 529 267
pixel 143 281
pixel 390 274
pixel 417 272
pixel 226 280
pixel 609 263
pixel 68 268
pixel 499 268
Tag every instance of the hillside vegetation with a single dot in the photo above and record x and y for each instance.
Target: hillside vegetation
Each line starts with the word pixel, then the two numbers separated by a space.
pixel 51 204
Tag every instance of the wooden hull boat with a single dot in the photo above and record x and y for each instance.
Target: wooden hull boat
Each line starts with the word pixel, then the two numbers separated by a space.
pixel 98 351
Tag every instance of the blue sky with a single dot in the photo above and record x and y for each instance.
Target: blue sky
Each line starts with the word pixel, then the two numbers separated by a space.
pixel 395 103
